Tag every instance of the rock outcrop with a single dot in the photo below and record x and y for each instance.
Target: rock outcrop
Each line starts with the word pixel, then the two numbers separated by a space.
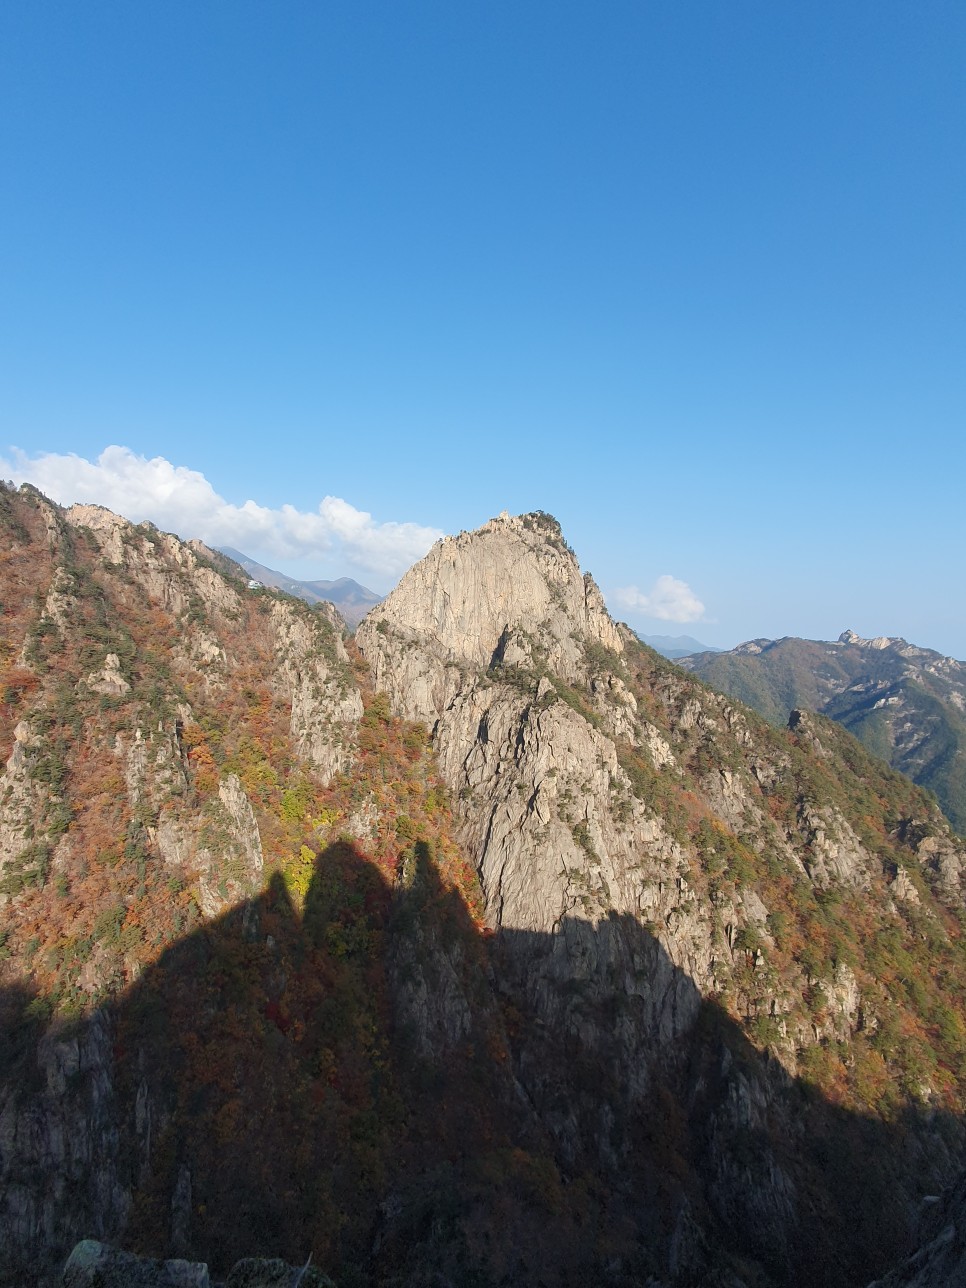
pixel 98 1265
pixel 523 603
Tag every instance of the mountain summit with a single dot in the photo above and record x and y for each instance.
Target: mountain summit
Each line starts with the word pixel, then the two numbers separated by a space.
pixel 598 790
pixel 511 594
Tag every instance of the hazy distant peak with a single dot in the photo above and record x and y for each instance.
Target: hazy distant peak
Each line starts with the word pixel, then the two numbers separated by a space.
pixel 677 646
pixel 352 599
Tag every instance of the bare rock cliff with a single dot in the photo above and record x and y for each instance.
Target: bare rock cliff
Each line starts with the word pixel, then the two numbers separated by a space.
pixel 636 838
pixel 512 593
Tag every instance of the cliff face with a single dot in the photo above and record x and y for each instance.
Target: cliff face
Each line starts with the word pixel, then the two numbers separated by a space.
pixel 507 595
pixel 940 1259
pixel 506 952
pixel 600 792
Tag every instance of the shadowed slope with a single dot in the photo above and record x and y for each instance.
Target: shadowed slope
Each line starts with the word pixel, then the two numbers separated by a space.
pixel 375 1082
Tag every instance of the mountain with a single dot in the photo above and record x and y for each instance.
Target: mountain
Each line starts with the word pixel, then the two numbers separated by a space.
pixel 674 646
pixel 352 600
pixel 906 704
pixel 486 948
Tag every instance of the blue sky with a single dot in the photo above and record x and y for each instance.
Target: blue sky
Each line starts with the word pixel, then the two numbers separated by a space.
pixel 691 276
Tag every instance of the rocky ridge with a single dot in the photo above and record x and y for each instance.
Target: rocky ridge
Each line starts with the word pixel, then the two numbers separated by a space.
pixel 197 612
pixel 143 695
pixel 905 703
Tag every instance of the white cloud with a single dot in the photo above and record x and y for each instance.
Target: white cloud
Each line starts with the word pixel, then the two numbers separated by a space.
pixel 669 599
pixel 182 500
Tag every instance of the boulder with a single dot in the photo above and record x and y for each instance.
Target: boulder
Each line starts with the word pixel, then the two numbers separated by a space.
pixel 98 1265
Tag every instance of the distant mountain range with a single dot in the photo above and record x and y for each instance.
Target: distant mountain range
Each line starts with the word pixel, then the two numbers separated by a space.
pixel 906 704
pixel 675 646
pixel 351 599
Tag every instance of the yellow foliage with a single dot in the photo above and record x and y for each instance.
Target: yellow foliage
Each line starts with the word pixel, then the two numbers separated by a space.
pixel 297 874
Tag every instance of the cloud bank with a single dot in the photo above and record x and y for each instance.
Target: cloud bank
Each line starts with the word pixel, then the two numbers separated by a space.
pixel 669 599
pixel 182 500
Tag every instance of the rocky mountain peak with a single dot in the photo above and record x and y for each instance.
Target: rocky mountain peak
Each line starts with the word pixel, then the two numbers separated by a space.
pixel 511 594
pixel 879 642
pixel 753 647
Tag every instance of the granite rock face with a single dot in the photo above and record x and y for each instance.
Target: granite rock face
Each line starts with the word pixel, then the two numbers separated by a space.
pixel 59 1150
pixel 510 594
pixel 487 641
pixel 599 900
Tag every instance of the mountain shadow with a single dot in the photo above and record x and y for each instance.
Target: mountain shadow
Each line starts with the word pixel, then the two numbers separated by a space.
pixel 368 1077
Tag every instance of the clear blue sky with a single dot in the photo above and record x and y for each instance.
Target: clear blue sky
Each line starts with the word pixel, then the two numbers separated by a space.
pixel 689 275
